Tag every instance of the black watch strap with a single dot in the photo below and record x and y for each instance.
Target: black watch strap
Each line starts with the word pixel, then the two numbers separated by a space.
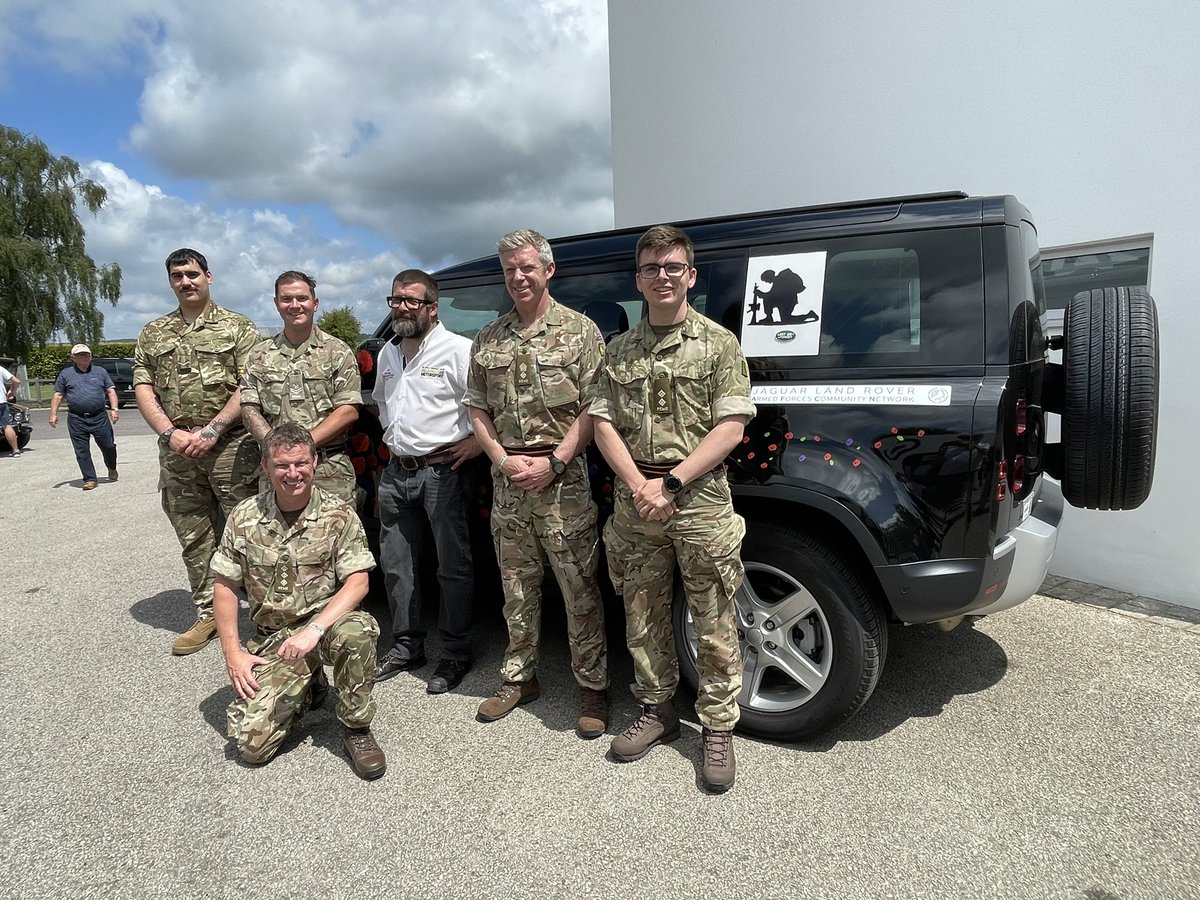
pixel 557 465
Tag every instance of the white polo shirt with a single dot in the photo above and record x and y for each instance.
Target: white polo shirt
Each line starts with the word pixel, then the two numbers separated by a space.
pixel 420 402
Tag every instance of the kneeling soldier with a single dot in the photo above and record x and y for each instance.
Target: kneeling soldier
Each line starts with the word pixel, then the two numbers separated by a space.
pixel 291 548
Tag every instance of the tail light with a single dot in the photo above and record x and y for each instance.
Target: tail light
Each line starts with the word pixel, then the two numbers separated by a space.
pixel 1001 481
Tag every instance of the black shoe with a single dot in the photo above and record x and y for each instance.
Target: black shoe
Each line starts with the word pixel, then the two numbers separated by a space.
pixel 447 675
pixel 392 666
pixel 318 689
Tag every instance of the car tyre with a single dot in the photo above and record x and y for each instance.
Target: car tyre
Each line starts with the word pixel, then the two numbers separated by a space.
pixel 813 636
pixel 1110 415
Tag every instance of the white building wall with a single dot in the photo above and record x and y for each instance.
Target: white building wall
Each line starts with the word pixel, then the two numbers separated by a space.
pixel 1086 112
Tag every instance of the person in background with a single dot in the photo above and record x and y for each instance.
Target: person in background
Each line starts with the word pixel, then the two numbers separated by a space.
pixel 10 383
pixel 92 405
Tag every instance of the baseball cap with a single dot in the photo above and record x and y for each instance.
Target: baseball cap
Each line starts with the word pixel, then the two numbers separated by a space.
pixel 81 348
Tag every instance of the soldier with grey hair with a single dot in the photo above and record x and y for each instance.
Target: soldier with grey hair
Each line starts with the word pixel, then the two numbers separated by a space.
pixel 531 380
pixel 302 557
pixel 673 401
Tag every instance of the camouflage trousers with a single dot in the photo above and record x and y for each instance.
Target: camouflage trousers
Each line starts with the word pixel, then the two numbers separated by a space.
pixel 559 526
pixel 197 495
pixel 259 725
pixel 705 538
pixel 334 476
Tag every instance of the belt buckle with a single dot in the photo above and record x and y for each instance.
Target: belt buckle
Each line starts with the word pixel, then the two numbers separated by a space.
pixel 409 463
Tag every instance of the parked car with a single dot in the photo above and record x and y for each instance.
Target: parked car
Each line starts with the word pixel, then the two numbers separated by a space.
pixel 895 471
pixel 120 370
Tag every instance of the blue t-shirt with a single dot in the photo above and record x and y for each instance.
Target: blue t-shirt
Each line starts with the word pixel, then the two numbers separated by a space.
pixel 85 392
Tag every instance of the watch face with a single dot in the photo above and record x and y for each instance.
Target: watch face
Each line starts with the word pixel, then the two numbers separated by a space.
pixel 673 484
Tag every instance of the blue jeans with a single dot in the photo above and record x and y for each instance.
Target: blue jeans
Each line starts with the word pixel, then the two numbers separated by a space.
pixel 407 501
pixel 82 428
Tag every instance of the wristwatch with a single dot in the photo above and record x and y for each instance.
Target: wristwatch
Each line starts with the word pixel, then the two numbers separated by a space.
pixel 165 437
pixel 673 482
pixel 557 465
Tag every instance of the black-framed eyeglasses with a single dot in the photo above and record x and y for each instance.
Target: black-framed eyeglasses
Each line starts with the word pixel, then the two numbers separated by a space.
pixel 673 269
pixel 411 302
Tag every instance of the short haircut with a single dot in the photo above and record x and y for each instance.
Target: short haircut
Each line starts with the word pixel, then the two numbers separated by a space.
pixel 527 237
pixel 292 275
pixel 185 255
pixel 416 276
pixel 289 434
pixel 664 237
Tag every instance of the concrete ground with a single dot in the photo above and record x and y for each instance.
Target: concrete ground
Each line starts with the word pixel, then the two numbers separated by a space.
pixel 1050 751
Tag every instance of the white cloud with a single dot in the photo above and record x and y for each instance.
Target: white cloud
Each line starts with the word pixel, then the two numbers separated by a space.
pixel 246 249
pixel 438 126
pixel 442 131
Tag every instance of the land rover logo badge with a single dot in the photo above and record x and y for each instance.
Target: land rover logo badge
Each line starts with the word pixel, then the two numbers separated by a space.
pixel 784 336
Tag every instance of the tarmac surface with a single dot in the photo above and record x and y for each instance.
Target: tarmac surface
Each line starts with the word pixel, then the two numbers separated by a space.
pixel 1051 751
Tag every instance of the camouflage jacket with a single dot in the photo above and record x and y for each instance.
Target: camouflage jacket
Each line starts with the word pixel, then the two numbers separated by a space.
pixel 534 383
pixel 301 384
pixel 291 573
pixel 664 397
pixel 194 368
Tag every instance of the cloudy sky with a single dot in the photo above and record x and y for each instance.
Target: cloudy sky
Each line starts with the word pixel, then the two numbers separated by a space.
pixel 348 139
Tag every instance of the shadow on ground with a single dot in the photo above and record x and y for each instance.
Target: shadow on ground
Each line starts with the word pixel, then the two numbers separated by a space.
pixel 168 610
pixel 926 668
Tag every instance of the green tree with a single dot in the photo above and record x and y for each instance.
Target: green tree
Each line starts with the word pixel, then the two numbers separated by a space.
pixel 342 322
pixel 48 283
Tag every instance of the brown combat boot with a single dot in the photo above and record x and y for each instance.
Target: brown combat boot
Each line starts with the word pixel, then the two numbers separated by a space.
pixel 593 713
pixel 659 724
pixel 718 768
pixel 511 695
pixel 195 638
pixel 366 756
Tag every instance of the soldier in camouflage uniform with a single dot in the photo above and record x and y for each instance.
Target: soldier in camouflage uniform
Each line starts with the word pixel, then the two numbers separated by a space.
pixel 531 379
pixel 307 376
pixel 302 557
pixel 185 375
pixel 672 403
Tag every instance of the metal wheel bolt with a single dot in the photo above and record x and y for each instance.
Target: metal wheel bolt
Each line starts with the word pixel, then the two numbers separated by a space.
pixel 771 646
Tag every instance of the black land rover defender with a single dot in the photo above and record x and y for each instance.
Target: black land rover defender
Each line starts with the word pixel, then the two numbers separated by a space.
pixel 896 470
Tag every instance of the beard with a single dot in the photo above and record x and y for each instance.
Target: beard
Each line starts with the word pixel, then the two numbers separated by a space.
pixel 417 327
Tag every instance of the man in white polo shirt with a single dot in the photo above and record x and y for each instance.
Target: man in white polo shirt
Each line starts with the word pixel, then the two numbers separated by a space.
pixel 420 382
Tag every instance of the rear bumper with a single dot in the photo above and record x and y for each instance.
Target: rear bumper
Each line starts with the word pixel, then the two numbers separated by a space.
pixel 1032 544
pixel 941 588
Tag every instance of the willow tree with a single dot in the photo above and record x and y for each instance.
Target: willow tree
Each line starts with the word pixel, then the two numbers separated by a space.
pixel 48 283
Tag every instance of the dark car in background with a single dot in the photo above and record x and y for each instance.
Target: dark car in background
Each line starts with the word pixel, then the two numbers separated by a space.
pixel 120 370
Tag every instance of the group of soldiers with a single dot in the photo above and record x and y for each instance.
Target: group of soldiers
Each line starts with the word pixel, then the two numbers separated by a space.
pixel 665 403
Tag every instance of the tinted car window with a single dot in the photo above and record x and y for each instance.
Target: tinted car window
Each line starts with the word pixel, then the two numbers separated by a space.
pixel 910 298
